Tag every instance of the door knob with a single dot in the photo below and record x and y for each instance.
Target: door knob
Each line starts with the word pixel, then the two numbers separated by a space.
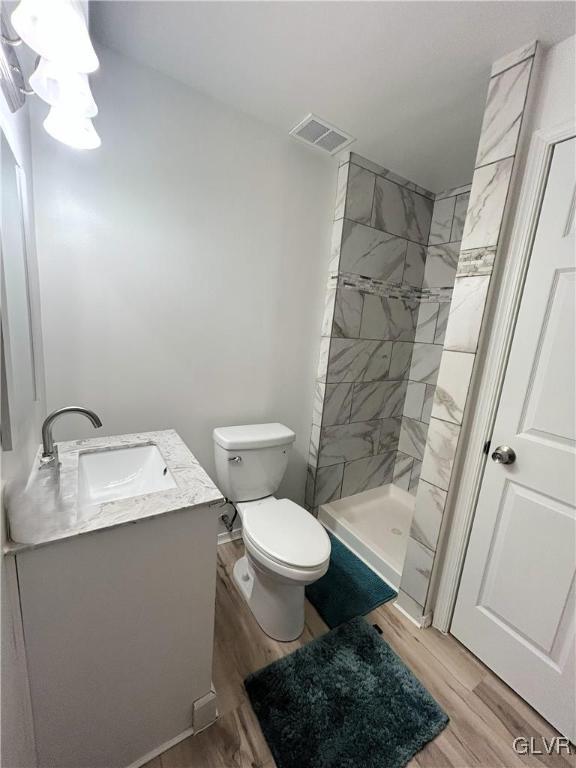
pixel 504 455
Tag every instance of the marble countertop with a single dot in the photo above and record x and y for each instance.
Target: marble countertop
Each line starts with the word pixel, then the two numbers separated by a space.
pixel 49 510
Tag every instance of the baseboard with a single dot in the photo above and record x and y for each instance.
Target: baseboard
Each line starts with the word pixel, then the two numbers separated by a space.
pixel 205 714
pixel 426 621
pixel 205 711
pixel 422 623
pixel 226 536
pixel 162 748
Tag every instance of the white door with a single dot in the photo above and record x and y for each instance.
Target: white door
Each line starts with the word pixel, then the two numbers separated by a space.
pixel 515 606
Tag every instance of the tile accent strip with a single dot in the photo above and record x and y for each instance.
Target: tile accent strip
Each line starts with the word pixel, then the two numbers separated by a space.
pixel 478 261
pixel 392 290
pixel 497 148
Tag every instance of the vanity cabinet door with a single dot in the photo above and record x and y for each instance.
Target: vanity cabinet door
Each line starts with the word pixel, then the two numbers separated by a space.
pixel 118 629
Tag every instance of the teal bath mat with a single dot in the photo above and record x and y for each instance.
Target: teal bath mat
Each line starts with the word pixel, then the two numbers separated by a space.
pixel 344 700
pixel 348 589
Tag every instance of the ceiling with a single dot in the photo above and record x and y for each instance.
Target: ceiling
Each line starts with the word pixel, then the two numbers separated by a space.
pixel 407 79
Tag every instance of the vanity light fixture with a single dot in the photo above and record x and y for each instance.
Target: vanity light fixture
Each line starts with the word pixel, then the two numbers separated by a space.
pixel 57 31
pixel 69 128
pixel 61 87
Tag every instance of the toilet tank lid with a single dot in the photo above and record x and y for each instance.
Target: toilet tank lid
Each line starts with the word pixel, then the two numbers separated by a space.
pixel 253 436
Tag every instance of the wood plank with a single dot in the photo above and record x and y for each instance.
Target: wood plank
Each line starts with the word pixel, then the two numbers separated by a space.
pixel 519 719
pixel 485 715
pixel 479 739
pixel 155 763
pixel 234 741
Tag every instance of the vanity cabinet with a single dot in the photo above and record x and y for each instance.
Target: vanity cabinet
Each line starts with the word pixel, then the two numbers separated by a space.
pixel 118 629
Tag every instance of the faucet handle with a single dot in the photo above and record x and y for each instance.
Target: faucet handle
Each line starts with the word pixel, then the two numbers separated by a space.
pixel 49 460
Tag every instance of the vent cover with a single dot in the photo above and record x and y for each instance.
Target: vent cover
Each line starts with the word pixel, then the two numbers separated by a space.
pixel 319 133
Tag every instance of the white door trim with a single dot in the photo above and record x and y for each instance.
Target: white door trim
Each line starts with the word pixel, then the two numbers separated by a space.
pixel 462 505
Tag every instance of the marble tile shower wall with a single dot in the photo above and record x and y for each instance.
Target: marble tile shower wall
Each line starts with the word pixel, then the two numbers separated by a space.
pixel 505 105
pixel 446 229
pixel 386 307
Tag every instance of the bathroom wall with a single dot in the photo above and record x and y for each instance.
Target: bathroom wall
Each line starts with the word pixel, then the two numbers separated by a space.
pixel 380 233
pixel 182 265
pixel 480 246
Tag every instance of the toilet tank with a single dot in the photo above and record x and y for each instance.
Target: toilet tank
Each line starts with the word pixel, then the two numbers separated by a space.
pixel 251 460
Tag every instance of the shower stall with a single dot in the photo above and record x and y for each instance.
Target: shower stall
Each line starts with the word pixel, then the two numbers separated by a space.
pixel 393 262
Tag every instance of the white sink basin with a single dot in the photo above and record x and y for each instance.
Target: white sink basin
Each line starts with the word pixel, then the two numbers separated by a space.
pixel 121 473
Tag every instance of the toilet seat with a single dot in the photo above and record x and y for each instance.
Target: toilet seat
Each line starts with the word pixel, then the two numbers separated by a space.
pixel 283 534
pixel 285 574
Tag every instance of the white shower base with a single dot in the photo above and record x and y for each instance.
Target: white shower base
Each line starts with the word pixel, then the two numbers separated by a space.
pixel 375 525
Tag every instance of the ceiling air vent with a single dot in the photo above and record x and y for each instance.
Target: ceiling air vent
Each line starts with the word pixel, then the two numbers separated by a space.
pixel 313 130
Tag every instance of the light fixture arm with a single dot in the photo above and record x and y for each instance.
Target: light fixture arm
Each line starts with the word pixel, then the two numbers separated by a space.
pixel 24 89
pixel 11 79
pixel 13 41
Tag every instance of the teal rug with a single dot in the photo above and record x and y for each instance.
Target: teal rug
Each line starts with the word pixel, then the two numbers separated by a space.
pixel 348 589
pixel 344 700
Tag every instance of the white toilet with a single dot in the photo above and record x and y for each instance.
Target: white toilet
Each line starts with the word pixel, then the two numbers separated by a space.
pixel 286 547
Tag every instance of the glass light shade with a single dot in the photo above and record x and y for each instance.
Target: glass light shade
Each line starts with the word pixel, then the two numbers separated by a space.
pixel 62 87
pixel 77 132
pixel 57 30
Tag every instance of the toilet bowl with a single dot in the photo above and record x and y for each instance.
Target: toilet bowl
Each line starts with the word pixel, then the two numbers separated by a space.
pixel 286 548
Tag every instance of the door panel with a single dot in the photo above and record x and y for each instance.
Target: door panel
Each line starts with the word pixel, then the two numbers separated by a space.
pixel 549 411
pixel 515 547
pixel 515 606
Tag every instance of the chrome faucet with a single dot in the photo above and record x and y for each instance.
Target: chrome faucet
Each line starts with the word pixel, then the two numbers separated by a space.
pixel 49 450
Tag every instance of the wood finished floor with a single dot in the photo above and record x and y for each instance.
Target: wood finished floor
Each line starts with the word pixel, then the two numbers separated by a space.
pixel 485 715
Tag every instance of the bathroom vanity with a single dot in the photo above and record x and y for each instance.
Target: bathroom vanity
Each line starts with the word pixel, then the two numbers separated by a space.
pixel 116 576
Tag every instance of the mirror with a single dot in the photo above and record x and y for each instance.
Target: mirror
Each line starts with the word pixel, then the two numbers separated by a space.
pixel 18 374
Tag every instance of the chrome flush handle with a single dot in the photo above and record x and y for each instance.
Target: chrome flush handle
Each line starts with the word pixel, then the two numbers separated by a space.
pixel 235 459
pixel 504 455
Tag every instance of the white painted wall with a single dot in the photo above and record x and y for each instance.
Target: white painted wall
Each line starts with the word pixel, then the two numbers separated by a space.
pixel 182 266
